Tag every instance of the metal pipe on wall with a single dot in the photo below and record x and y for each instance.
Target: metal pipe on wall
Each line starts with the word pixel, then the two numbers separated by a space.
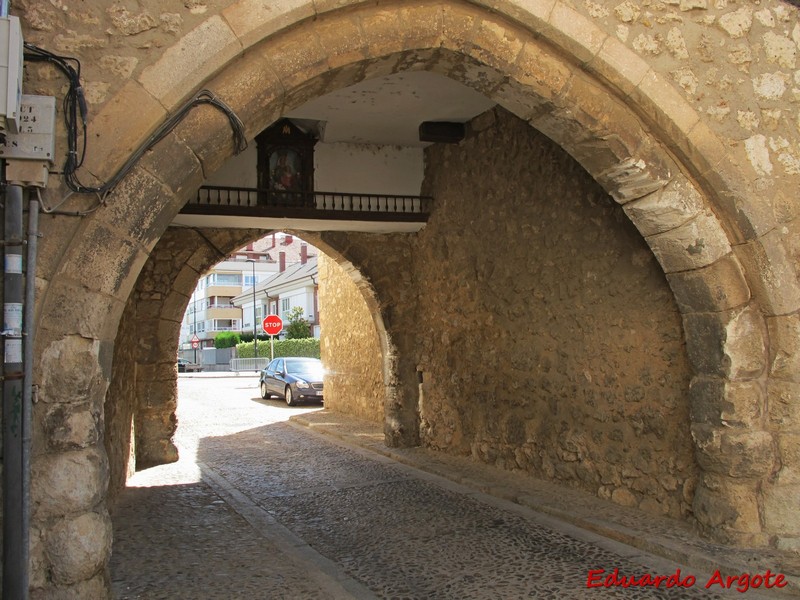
pixel 28 330
pixel 15 538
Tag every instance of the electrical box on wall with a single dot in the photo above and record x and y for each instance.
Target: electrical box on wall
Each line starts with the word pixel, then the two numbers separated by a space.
pixel 11 57
pixel 30 152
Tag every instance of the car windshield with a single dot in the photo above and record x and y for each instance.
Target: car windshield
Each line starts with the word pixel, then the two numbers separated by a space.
pixel 309 368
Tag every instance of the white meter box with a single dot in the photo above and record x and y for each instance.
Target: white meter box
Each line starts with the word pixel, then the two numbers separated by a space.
pixel 11 57
pixel 36 137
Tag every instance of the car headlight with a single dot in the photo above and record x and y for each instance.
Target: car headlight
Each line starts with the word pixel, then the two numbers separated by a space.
pixel 302 385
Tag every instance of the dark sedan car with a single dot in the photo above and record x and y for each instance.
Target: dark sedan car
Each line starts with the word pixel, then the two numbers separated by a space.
pixel 295 379
pixel 187 366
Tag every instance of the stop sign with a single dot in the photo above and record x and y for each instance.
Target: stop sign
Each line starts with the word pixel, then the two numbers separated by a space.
pixel 272 325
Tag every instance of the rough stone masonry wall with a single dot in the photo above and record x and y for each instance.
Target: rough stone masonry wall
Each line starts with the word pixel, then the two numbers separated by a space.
pixel 350 348
pixel 550 341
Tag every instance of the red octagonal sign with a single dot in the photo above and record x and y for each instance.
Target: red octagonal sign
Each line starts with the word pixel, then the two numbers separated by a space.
pixel 272 325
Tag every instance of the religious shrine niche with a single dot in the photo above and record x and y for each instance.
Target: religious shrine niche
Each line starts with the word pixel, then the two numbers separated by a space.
pixel 285 165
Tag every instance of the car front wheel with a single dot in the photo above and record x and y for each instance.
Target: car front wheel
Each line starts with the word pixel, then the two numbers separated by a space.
pixel 289 397
pixel 264 392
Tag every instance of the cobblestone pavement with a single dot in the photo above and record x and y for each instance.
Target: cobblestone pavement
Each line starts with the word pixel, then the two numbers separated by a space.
pixel 261 507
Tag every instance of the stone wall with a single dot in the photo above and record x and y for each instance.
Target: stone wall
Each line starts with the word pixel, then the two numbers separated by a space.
pixel 349 345
pixel 549 340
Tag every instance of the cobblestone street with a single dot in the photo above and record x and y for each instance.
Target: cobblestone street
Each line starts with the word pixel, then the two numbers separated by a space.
pixel 261 507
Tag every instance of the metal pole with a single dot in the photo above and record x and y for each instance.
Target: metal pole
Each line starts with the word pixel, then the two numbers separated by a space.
pixel 255 335
pixel 28 338
pixel 15 548
pixel 194 310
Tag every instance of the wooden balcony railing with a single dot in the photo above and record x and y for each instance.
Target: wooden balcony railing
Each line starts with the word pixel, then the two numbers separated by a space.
pixel 252 202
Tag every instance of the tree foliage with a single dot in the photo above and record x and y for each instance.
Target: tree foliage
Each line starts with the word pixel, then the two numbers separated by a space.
pixel 227 339
pixel 297 328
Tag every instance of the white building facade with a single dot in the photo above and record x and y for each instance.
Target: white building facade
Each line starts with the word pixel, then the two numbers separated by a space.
pixel 211 310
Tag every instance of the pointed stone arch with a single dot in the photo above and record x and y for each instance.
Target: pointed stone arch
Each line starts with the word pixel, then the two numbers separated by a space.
pixel 687 193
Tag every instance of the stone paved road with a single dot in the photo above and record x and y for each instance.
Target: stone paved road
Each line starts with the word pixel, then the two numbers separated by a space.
pixel 261 508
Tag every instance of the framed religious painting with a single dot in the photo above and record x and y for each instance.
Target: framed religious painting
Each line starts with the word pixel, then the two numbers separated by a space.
pixel 285 166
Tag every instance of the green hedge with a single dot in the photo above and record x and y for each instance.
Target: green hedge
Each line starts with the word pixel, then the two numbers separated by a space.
pixel 301 347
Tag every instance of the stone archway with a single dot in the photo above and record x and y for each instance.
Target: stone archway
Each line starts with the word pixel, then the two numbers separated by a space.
pixel 687 193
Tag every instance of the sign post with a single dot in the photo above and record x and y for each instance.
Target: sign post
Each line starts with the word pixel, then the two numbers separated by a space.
pixel 272 326
pixel 195 345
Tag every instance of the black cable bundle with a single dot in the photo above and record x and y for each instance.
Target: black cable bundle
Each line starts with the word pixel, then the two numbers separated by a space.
pixel 75 108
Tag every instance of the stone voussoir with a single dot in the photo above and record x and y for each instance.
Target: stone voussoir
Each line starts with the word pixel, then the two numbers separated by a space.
pixel 721 403
pixel 698 243
pixel 772 276
pixel 203 50
pixel 730 344
pixel 254 20
pixel 718 287
pixel 784 348
pixel 737 454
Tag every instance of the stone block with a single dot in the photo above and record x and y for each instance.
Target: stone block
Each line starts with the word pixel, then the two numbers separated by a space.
pixel 142 206
pixel 496 44
pixel 458 24
pixel 105 260
pixel 737 454
pixel 382 32
pixel 784 347
pixel 718 287
pixel 90 589
pixel 342 40
pixel 539 72
pixel 743 209
pixel 78 547
pixel 71 371
pixel 783 400
pixel 422 25
pixel 666 209
pixel 517 99
pixel 175 166
pixel 619 65
pixel 72 426
pixel 68 482
pixel 696 244
pixel 730 344
pixel 93 316
pixel 120 128
pixel 634 176
pixel 533 14
pixel 295 58
pixel 252 90
pixel 195 57
pixel 254 20
pixel 726 508
pixel 576 34
pixel 666 106
pixel 720 403
pixel 772 273
pixel 789 454
pixel 781 506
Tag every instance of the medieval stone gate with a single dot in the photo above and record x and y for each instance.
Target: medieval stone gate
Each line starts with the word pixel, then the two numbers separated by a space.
pixel 694 134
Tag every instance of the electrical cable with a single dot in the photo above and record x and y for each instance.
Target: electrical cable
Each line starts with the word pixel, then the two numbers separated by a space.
pixel 75 110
